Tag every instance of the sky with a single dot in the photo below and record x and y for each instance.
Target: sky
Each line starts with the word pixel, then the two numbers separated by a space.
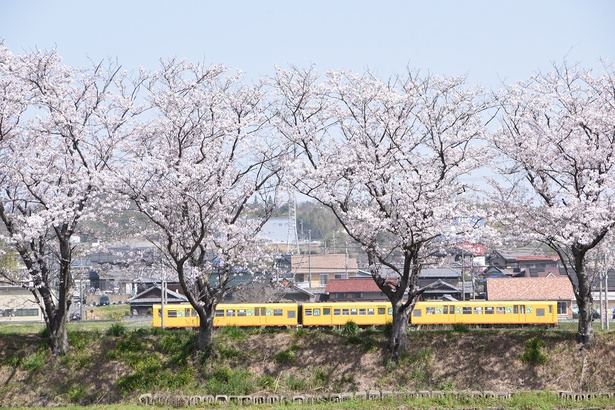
pixel 490 41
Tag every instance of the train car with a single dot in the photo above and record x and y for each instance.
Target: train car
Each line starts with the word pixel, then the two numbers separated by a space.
pixel 488 313
pixel 256 314
pixel 230 314
pixel 340 313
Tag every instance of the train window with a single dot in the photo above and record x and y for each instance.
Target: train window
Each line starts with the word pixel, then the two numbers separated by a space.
pixel 344 312
pixel 370 311
pixel 194 314
pixel 171 313
pixel 489 310
pixel 451 309
pixel 522 309
pixel 326 311
pixel 307 312
pixel 362 312
pixel 277 312
pixel 159 315
pixel 500 310
pixel 337 312
pixel 263 311
pixel 219 312
pixel 354 312
pixel 467 310
pixel 390 311
pixel 257 312
pixel 551 308
pixel 430 311
pixel 241 312
pixel 516 309
pixel 291 314
pixel 230 312
pixel 317 312
pixel 445 310
pixel 540 311
pixel 478 310
pixel 417 312
pixel 381 311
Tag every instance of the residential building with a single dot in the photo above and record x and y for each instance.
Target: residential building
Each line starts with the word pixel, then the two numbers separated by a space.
pixel 546 288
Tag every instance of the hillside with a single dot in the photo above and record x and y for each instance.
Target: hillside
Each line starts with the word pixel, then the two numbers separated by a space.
pixel 119 364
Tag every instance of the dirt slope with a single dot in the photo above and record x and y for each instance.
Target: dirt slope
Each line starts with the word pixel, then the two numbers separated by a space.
pixel 325 361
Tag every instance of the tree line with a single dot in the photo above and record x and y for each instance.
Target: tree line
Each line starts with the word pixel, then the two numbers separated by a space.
pixel 398 162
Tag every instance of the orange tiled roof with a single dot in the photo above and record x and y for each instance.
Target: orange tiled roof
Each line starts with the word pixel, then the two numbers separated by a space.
pixel 351 285
pixel 547 288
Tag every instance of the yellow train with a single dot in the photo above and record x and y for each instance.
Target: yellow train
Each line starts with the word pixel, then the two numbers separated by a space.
pixel 506 313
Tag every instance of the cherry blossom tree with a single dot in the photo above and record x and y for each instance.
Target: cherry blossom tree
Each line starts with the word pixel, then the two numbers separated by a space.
pixel 556 148
pixel 387 158
pixel 194 167
pixel 59 127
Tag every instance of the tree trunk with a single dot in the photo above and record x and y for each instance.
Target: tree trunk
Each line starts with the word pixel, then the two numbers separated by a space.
pixel 58 339
pixel 585 302
pixel 206 332
pixel 398 342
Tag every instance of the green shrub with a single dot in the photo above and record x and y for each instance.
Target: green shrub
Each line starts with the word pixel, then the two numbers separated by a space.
pixel 79 340
pixel 179 346
pixel 230 382
pixel 296 383
pixel 350 328
pixel 266 382
pixel 285 357
pixel 116 329
pixel 233 333
pixel 533 354
pixel 230 353
pixel 320 378
pixel 460 328
pixel 34 362
pixel 147 374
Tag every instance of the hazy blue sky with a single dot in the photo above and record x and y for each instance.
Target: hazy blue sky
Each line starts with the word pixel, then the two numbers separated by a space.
pixel 487 40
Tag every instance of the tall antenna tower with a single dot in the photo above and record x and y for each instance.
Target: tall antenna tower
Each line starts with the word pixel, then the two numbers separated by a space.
pixel 292 239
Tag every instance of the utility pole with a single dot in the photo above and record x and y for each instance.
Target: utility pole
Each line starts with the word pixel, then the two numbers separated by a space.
pixel 310 258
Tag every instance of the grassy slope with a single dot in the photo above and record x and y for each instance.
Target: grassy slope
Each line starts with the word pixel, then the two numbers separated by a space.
pixel 109 363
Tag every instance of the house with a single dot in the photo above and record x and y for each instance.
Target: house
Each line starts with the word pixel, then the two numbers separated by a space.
pixel 527 262
pixel 141 304
pixel 356 288
pixel 546 288
pixel 17 305
pixel 442 283
pixel 314 271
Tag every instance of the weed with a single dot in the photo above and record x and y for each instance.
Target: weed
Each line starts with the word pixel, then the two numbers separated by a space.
pixel 301 333
pixel 460 328
pixel 533 354
pixel 230 382
pixel 230 353
pixel 79 340
pixel 367 343
pixel 285 357
pixel 295 347
pixel 350 328
pixel 35 361
pixel 233 333
pixel 147 373
pixel 178 345
pixel 320 378
pixel 265 382
pixel 74 393
pixel 116 329
pixel 295 383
